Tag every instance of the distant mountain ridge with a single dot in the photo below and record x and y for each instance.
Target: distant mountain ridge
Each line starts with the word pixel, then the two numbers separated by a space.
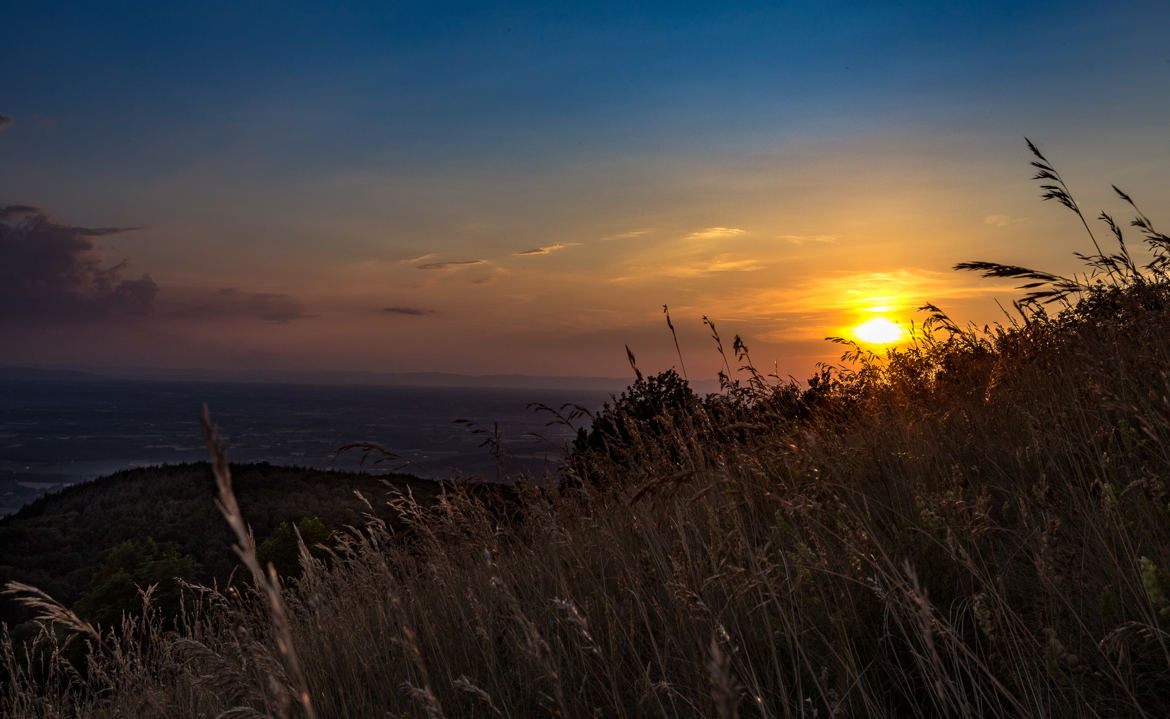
pixel 408 379
pixel 34 374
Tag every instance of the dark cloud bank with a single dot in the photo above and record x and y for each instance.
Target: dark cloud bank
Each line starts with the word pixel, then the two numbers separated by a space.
pixel 411 311
pixel 6 120
pixel 227 303
pixel 51 272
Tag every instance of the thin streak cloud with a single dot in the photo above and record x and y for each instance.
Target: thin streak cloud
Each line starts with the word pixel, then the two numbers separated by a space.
pixel 231 303
pixel 698 269
pixel 408 311
pixel 711 267
pixel 1001 220
pixel 545 250
pixel 451 265
pixel 809 239
pixel 631 235
pixel 715 233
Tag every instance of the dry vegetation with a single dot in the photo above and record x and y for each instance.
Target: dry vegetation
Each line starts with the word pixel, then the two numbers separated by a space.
pixel 975 525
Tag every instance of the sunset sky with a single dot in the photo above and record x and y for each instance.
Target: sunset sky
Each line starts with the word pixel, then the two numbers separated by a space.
pixel 507 187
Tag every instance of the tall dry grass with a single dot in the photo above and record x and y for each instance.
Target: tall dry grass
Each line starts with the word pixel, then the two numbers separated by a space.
pixel 974 525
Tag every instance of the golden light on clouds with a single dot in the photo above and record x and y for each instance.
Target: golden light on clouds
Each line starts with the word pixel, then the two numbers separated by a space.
pixel 715 233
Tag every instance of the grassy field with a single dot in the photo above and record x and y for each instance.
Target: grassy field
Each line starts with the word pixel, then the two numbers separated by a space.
pixel 977 524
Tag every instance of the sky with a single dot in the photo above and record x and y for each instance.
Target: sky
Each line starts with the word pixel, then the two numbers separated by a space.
pixel 519 187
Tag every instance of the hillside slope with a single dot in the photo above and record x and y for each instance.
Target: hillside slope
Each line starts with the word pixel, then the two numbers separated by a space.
pixel 59 541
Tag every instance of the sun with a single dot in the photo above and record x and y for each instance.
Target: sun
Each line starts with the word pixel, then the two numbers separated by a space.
pixel 878 331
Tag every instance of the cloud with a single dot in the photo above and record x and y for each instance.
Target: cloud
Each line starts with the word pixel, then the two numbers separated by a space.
pixel 632 234
pixel 1001 220
pixel 6 121
pixel 231 303
pixel 54 271
pixel 809 239
pixel 546 250
pixel 699 268
pixel 711 267
pixel 450 265
pixel 11 212
pixel 494 274
pixel 715 233
pixel 410 311
pixel 420 258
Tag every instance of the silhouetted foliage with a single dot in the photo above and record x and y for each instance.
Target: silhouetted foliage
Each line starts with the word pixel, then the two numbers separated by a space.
pixel 282 551
pixel 133 566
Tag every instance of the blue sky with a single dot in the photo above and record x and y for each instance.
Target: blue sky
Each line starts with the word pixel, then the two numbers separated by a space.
pixel 307 152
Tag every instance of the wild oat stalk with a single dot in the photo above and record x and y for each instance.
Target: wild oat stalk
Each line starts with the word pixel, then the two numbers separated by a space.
pixel 49 610
pixel 245 547
pixel 1119 268
pixel 682 365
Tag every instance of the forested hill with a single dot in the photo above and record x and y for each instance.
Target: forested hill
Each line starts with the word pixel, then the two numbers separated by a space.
pixel 61 541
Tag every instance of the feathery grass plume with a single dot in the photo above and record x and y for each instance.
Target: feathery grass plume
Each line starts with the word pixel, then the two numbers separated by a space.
pixel 492 440
pixel 725 690
pixel 633 363
pixel 1058 190
pixel 566 415
pixel 1120 270
pixel 266 583
pixel 466 685
pixel 422 695
pixel 674 335
pixel 50 611
pixel 725 376
pixel 369 449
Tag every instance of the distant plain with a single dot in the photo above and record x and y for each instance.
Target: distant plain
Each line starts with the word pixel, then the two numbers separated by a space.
pixel 63 432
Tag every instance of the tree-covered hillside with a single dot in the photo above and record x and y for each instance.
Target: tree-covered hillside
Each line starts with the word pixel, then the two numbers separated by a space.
pixel 61 541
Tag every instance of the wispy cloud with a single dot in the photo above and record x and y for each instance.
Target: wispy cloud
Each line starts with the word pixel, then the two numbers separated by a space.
pixel 1001 220
pixel 6 121
pixel 711 267
pixel 409 311
pixel 451 264
pixel 546 250
pixel 631 235
pixel 809 239
pixel 231 303
pixel 420 258
pixel 715 233
pixel 699 268
pixel 495 274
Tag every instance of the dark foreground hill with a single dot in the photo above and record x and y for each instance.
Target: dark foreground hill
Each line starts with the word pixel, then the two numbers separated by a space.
pixel 60 541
